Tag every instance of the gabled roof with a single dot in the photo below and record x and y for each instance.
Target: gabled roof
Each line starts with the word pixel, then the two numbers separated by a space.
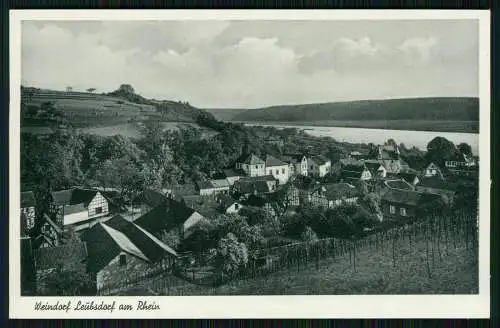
pixel 168 215
pixel 225 201
pixel 349 162
pixel 436 183
pixel 152 197
pixel 220 183
pixel 273 161
pixel 74 196
pixel 334 191
pixel 232 173
pixel 52 257
pixel 268 177
pixel 27 199
pixel 354 168
pixel 149 245
pixel 106 240
pixel 76 208
pixel 407 176
pixel 374 167
pixel 292 158
pixel 204 184
pixel 405 197
pixel 249 187
pixel 251 160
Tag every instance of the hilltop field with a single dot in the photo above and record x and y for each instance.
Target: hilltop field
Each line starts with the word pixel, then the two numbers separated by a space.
pixel 104 114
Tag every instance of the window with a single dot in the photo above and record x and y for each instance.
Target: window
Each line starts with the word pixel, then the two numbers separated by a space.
pixel 402 211
pixel 98 210
pixel 256 166
pixel 392 209
pixel 236 206
pixel 311 167
pixel 123 259
pixel 283 171
pixel 270 172
pixel 277 172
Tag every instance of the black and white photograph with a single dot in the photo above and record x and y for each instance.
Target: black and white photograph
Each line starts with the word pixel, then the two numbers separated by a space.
pixel 250 157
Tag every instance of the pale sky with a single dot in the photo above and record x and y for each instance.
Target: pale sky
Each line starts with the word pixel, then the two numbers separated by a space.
pixel 255 63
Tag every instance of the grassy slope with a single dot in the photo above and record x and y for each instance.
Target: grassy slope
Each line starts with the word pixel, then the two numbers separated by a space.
pixel 90 110
pixel 433 114
pixel 225 114
pixel 453 271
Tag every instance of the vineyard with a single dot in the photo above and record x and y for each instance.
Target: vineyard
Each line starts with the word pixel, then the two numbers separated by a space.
pixel 437 255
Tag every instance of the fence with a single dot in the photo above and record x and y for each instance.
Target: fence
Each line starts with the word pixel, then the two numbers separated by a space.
pixel 440 234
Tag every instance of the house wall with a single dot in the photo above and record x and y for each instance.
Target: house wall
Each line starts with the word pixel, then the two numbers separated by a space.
pixel 366 175
pixel 410 210
pixel 98 201
pixel 324 169
pixel 281 173
pixel 29 213
pixel 193 220
pixel 234 208
pixel 113 274
pixel 207 192
pixel 254 170
pixel 51 233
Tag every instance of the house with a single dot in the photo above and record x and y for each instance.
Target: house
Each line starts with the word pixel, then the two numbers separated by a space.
pixel 210 187
pixel 319 165
pixel 460 161
pixel 252 165
pixel 120 250
pixel 334 194
pixel 389 157
pixel 409 177
pixel 228 205
pixel 377 170
pixel 255 185
pixel 278 169
pixel 401 204
pixel 149 199
pixel 50 234
pixel 432 170
pixel 297 164
pixel 78 206
pixel 28 214
pixel 438 186
pixel 232 176
pixel 171 215
pixel 355 155
pixel 72 256
pixel 355 173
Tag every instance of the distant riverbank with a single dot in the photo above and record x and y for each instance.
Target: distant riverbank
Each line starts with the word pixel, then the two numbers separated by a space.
pixel 412 125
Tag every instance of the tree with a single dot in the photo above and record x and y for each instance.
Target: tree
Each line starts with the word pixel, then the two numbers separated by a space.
pixel 126 89
pixel 465 149
pixel 372 203
pixel 309 235
pixel 68 282
pixel 362 187
pixel 91 90
pixel 171 238
pixel 230 255
pixel 440 150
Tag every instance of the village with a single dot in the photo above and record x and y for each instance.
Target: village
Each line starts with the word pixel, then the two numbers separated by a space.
pixel 177 230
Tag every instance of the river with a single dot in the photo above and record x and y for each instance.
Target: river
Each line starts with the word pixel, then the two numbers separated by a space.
pixel 419 139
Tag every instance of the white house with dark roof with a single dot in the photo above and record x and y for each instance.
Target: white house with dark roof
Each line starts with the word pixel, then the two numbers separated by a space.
pixel 78 206
pixel 252 165
pixel 319 165
pixel 297 163
pixel 278 169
